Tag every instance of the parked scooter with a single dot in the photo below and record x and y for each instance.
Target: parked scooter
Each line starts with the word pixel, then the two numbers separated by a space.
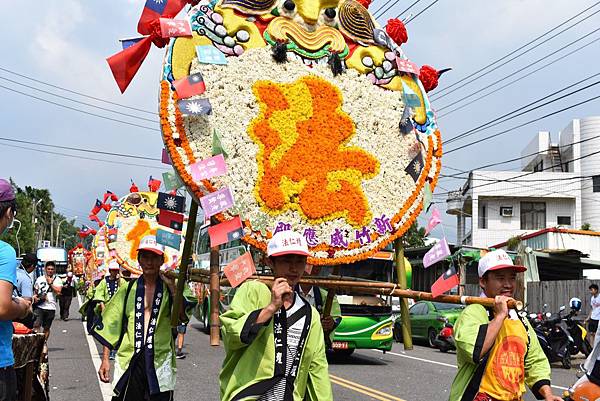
pixel 577 331
pixel 554 339
pixel 445 339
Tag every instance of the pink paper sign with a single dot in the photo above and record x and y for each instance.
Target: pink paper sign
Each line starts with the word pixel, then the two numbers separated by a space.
pixel 240 269
pixel 216 202
pixel 406 66
pixel 439 251
pixel 434 220
pixel 170 28
pixel 208 168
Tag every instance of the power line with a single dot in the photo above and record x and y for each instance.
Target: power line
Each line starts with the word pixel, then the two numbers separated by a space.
pixel 514 51
pixel 421 12
pixel 487 125
pixel 529 172
pixel 76 93
pixel 78 101
pixel 519 70
pixel 520 78
pixel 79 110
pixel 80 149
pixel 522 125
pixel 78 157
pixel 391 5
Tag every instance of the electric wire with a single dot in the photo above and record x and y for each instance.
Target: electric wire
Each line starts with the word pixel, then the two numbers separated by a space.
pixel 522 125
pixel 442 90
pixel 79 110
pixel 78 101
pixel 521 69
pixel 76 93
pixel 519 79
pixel 511 114
pixel 421 12
pixel 80 149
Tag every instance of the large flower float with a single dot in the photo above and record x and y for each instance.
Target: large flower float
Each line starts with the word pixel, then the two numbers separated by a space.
pixel 324 123
pixel 131 218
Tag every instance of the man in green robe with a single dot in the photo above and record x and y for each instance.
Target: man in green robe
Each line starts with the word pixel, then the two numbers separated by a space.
pixel 137 321
pixel 105 291
pixel 274 343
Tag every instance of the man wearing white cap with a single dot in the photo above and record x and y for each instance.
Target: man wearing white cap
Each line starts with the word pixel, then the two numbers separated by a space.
pixel 106 289
pixel 497 350
pixel 275 350
pixel 137 321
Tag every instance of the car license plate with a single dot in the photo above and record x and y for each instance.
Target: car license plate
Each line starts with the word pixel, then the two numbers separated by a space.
pixel 339 345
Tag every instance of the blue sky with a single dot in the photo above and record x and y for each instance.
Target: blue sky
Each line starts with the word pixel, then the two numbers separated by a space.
pixel 65 43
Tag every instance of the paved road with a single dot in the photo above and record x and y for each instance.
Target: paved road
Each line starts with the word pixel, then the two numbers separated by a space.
pixel 419 375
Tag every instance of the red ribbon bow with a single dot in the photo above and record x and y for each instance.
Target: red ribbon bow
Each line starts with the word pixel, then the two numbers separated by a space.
pixel 126 63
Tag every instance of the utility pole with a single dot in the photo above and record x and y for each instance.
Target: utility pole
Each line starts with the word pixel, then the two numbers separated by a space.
pixel 401 280
pixel 51 225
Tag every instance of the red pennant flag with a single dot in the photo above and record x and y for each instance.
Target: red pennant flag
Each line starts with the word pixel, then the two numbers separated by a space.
pixel 126 63
pixel 189 86
pixel 170 219
pixel 154 184
pixel 106 207
pixel 226 232
pixel 446 282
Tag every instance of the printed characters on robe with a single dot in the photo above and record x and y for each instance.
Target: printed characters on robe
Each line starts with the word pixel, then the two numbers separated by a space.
pixel 157 346
pixel 248 343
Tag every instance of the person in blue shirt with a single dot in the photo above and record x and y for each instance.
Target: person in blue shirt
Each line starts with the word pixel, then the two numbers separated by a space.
pixel 24 287
pixel 10 307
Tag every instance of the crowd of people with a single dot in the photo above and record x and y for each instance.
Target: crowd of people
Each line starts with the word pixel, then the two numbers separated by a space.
pixel 275 338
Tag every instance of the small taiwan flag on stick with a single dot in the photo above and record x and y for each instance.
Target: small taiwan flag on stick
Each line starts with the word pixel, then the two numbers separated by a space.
pixel 226 232
pixel 446 282
pixel 189 86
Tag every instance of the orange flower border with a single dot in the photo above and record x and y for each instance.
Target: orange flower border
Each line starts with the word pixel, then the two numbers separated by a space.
pixel 178 140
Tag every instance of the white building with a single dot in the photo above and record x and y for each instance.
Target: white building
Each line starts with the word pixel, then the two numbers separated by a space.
pixel 559 186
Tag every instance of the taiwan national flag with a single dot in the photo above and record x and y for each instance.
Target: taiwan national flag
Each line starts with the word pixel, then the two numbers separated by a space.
pixel 170 219
pixel 446 282
pixel 154 9
pixel 226 232
pixel 189 86
pixel 170 202
pixel 97 207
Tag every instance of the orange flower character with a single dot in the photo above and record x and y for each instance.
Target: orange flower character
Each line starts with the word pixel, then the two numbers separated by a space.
pixel 304 162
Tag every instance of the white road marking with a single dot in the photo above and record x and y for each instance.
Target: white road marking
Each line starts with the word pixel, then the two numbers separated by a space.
pixel 105 388
pixel 442 363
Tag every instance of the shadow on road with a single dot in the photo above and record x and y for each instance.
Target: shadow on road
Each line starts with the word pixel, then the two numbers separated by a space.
pixel 355 359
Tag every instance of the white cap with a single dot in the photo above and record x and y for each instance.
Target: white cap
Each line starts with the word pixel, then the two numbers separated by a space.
pixel 496 260
pixel 114 265
pixel 148 243
pixel 287 243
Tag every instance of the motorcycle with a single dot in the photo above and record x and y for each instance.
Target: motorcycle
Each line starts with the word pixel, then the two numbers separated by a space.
pixel 445 339
pixel 577 331
pixel 554 339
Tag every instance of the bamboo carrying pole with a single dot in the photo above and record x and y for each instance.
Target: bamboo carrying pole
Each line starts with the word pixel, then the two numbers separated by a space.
pixel 401 279
pixel 330 294
pixel 215 292
pixel 371 287
pixel 184 263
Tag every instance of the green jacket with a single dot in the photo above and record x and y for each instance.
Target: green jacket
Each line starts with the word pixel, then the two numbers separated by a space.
pixel 250 349
pixel 121 309
pixel 469 333
pixel 101 294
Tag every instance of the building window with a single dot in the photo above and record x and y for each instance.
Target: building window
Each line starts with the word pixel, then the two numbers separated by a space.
pixel 483 216
pixel 563 220
pixel 533 215
pixel 596 183
pixel 539 166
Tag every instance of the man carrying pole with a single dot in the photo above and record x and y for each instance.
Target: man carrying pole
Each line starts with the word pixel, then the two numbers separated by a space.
pixel 137 321
pixel 497 350
pixel 274 343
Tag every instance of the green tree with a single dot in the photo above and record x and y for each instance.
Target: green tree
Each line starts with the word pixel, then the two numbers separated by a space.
pixel 31 228
pixel 414 236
